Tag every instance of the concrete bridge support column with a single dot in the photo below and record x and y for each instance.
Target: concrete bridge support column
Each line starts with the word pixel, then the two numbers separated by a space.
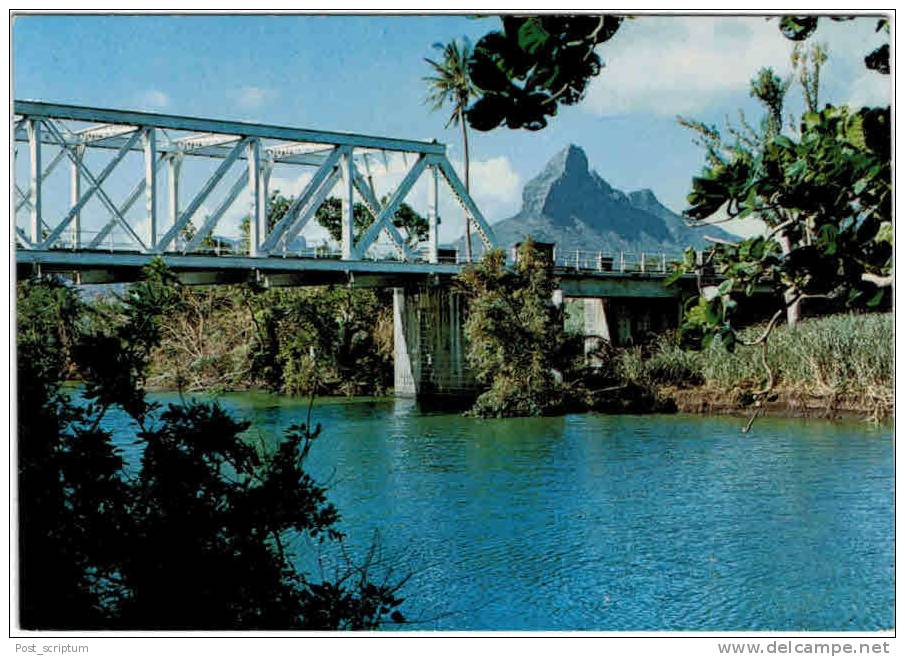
pixel 429 343
pixel 596 327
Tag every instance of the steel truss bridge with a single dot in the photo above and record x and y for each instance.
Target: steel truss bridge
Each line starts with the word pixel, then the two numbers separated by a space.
pixel 337 163
pixel 150 153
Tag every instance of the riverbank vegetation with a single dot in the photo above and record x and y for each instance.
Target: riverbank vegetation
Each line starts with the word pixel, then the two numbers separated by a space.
pixel 516 341
pixel 823 189
pixel 198 534
pixel 328 340
pixel 839 364
pixel 518 346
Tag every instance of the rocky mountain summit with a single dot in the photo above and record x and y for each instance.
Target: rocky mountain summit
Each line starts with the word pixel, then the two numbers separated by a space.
pixel 571 205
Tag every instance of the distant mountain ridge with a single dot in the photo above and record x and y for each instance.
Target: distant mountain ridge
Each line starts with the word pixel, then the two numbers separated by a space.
pixel 574 207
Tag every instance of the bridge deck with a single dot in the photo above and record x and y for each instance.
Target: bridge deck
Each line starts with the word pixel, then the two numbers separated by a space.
pixel 116 267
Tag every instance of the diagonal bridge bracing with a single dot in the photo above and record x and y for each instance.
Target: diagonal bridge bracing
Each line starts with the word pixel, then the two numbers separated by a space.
pixel 144 146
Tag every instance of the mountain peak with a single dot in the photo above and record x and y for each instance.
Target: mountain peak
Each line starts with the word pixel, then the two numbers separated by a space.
pixel 571 160
pixel 572 206
pixel 567 167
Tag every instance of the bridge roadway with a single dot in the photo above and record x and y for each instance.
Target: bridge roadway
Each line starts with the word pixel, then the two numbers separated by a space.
pixel 88 267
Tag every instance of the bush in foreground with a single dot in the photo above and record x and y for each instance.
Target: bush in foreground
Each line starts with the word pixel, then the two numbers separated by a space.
pixel 197 537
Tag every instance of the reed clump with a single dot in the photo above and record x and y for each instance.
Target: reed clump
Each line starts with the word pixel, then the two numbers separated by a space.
pixel 838 357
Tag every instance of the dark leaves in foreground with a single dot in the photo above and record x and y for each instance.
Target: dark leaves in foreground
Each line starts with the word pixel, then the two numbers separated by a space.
pixel 534 64
pixel 200 534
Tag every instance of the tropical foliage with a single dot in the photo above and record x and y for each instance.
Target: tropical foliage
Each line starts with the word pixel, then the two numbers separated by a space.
pixel 329 215
pixel 534 64
pixel 516 342
pixel 195 536
pixel 824 192
pixel 841 361
pixel 324 340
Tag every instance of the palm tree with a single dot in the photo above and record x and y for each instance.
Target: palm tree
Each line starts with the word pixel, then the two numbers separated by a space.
pixel 451 85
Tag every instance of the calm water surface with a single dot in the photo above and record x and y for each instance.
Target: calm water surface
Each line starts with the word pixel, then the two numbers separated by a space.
pixel 595 522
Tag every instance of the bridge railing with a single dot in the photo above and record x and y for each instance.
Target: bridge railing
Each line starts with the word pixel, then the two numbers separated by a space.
pixel 645 262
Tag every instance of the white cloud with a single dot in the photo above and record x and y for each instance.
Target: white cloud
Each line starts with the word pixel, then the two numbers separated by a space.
pixel 290 185
pixel 153 99
pixel 494 181
pixel 670 66
pixel 253 97
pixel 869 89
pixel 683 65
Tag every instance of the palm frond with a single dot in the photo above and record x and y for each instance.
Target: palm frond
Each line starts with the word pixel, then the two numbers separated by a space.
pixel 451 84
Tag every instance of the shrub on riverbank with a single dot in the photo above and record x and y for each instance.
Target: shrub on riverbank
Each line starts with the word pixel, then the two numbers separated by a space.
pixel 839 356
pixel 517 345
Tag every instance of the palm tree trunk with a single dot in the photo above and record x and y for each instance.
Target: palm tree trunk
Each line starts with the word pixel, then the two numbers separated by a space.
pixel 467 188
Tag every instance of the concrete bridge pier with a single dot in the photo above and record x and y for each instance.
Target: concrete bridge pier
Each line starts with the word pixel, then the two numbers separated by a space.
pixel 596 328
pixel 429 343
pixel 623 321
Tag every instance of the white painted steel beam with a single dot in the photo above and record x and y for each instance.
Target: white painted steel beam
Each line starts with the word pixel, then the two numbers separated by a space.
pixel 197 142
pixel 69 261
pixel 432 215
pixel 285 151
pixel 33 127
pixel 211 222
pixel 23 238
pixel 97 184
pixel 75 192
pixel 166 147
pixel 256 206
pixel 47 171
pixel 264 196
pixel 389 210
pixel 288 219
pixel 366 191
pixel 174 170
pixel 170 122
pixel 101 132
pixel 94 187
pixel 23 196
pixel 149 143
pixel 131 199
pixel 186 216
pixel 468 205
pixel 312 206
pixel 346 195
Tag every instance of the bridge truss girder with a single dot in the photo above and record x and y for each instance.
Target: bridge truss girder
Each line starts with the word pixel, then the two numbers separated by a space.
pixel 337 160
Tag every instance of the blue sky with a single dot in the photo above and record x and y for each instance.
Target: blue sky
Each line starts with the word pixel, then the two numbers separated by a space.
pixel 364 74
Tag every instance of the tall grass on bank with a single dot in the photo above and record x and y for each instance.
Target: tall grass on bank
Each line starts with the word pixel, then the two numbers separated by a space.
pixel 838 355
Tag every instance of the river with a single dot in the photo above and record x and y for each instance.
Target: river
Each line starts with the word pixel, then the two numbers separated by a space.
pixel 596 522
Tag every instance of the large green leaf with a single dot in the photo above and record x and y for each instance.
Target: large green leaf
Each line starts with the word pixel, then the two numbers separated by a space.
pixel 532 36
